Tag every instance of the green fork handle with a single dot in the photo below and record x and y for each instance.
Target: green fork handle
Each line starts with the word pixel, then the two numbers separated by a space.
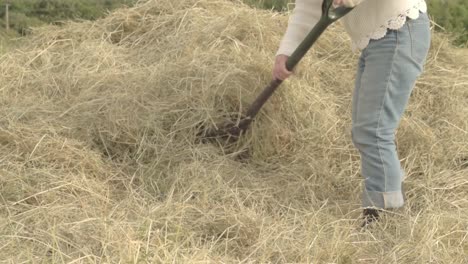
pixel 329 15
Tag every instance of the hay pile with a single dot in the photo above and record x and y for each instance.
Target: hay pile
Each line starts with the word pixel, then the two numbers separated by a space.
pixel 100 162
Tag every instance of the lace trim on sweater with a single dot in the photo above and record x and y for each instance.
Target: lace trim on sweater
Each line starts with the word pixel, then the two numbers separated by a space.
pixel 394 24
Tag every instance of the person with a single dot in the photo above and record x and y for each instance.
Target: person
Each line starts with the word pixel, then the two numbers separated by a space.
pixel 394 38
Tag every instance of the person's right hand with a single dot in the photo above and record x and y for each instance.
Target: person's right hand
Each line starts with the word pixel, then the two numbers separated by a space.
pixel 279 70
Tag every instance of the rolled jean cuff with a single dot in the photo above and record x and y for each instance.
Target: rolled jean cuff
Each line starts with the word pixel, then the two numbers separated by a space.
pixel 383 200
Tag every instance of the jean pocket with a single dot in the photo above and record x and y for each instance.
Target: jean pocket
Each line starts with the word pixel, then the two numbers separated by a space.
pixel 420 34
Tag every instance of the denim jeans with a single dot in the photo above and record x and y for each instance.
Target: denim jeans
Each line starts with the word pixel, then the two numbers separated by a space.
pixel 387 71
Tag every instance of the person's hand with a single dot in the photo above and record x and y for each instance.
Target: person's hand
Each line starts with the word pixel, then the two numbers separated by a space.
pixel 337 3
pixel 279 70
pixel 347 3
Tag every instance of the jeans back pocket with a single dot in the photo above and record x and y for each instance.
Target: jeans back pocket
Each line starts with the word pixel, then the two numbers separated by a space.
pixel 420 33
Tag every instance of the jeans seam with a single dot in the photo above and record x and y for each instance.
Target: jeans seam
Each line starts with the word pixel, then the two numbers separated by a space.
pixel 381 110
pixel 356 95
pixel 411 40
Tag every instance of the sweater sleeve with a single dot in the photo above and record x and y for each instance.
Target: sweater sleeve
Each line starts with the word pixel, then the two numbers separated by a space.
pixel 305 15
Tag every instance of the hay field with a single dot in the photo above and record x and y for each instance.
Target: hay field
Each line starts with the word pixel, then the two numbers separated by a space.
pixel 100 162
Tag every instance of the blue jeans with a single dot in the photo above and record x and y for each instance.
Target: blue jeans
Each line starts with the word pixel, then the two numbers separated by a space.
pixel 388 69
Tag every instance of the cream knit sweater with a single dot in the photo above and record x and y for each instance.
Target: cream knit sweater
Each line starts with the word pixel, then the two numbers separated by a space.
pixel 369 20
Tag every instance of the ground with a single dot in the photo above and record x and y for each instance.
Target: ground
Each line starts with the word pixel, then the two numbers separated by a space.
pixel 100 160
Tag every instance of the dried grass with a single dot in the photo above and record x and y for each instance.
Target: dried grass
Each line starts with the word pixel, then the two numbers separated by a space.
pixel 99 160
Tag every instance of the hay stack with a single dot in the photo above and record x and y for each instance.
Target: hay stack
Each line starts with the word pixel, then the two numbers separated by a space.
pixel 100 161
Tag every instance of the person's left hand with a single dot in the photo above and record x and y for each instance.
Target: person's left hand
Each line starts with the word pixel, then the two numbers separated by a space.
pixel 337 3
pixel 347 3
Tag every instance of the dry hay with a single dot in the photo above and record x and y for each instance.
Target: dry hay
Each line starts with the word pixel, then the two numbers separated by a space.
pixel 99 160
